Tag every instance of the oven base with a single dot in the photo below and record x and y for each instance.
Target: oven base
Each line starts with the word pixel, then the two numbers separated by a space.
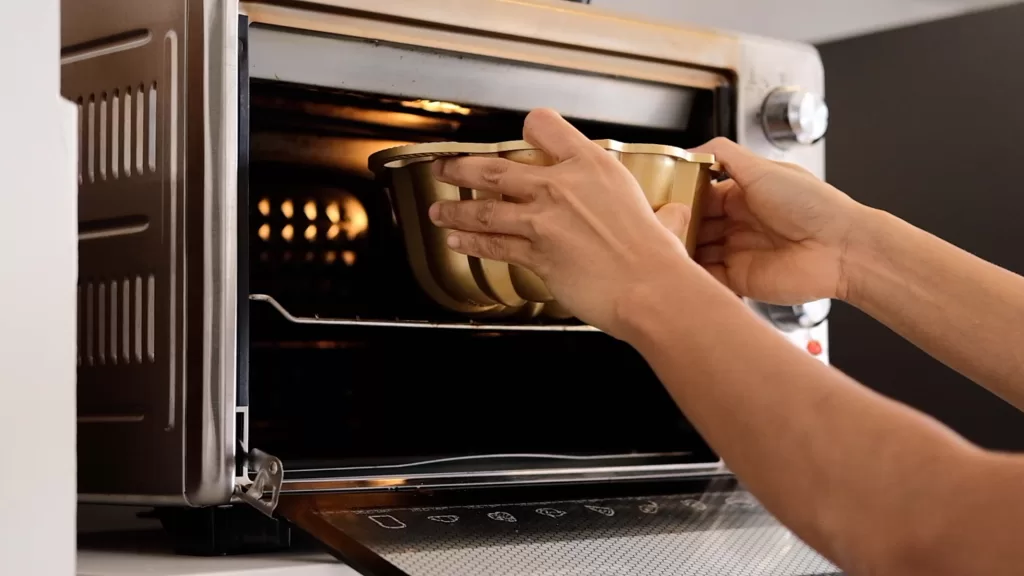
pixel 228 531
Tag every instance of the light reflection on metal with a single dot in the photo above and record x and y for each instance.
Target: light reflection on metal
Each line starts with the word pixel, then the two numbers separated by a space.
pixel 388 118
pixel 345 154
pixel 437 106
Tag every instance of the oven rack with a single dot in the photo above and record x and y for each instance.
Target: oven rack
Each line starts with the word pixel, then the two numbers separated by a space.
pixel 266 298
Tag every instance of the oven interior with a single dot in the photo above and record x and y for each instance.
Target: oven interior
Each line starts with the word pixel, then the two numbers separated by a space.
pixel 319 242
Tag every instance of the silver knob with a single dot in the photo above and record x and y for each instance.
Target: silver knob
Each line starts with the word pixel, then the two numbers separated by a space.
pixel 791 318
pixel 794 116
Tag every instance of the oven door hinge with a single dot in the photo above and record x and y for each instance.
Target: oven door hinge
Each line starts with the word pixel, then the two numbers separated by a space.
pixel 269 476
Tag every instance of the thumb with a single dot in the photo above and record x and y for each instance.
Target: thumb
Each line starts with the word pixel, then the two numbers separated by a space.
pixel 676 218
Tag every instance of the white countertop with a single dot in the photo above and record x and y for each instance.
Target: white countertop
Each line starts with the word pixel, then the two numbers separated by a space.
pixel 146 554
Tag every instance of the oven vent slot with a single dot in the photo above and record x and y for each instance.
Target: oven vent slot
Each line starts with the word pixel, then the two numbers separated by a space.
pixel 117 133
pixel 116 321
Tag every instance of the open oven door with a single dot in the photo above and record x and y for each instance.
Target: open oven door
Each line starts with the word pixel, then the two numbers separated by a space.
pixel 694 526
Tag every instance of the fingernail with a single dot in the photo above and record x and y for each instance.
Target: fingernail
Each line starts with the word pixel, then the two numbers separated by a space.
pixel 435 213
pixel 454 242
pixel 437 168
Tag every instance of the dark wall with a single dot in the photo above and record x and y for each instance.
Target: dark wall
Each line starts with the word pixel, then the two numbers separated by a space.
pixel 928 124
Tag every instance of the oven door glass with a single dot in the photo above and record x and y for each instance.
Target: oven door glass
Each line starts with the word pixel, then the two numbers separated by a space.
pixel 698 526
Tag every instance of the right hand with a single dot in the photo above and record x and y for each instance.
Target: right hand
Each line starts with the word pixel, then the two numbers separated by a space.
pixel 774 232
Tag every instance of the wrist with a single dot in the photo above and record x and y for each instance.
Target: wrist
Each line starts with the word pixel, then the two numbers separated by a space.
pixel 643 307
pixel 858 252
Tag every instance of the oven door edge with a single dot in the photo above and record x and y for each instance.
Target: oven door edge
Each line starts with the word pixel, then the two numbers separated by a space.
pixel 211 330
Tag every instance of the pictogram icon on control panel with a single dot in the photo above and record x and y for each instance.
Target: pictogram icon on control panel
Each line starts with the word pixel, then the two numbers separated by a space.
pixel 695 505
pixel 502 517
pixel 600 509
pixel 387 521
pixel 550 512
pixel 649 508
pixel 444 519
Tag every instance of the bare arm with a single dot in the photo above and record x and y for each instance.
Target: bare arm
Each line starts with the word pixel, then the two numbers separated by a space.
pixel 962 310
pixel 872 484
pixel 778 234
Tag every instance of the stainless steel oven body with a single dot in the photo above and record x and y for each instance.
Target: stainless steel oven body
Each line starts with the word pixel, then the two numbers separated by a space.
pixel 164 93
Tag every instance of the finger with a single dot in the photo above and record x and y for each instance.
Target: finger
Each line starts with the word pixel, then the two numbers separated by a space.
pixel 728 199
pixel 547 130
pixel 675 217
pixel 712 231
pixel 718 272
pixel 749 240
pixel 492 247
pixel 714 202
pixel 734 205
pixel 491 216
pixel 710 254
pixel 740 163
pixel 489 174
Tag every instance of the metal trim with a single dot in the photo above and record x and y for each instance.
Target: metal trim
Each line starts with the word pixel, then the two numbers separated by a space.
pixel 504 478
pixel 210 331
pixel 376 67
pixel 491 457
pixel 400 156
pixel 242 217
pixel 553 23
pixel 586 56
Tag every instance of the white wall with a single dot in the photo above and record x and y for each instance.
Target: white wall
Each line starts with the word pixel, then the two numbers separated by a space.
pixel 38 268
pixel 806 20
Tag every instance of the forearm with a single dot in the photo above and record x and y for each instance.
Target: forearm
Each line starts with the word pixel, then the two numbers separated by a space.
pixel 845 468
pixel 964 311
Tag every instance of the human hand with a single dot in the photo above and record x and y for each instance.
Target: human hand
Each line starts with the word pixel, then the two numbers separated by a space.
pixel 774 232
pixel 583 224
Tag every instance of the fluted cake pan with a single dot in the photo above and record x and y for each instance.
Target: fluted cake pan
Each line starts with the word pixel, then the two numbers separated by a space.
pixel 486 288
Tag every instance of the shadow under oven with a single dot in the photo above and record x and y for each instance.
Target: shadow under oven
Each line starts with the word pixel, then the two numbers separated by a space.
pixel 250 330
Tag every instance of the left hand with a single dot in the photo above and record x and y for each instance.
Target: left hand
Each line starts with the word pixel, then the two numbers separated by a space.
pixel 583 224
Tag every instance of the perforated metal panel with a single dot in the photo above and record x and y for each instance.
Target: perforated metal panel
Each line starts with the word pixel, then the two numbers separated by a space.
pixel 156 233
pixel 125 72
pixel 718 532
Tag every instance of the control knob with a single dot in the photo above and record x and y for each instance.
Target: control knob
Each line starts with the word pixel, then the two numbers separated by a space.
pixel 794 116
pixel 791 318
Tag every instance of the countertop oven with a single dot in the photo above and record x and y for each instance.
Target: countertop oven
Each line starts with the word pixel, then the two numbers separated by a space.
pixel 250 333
